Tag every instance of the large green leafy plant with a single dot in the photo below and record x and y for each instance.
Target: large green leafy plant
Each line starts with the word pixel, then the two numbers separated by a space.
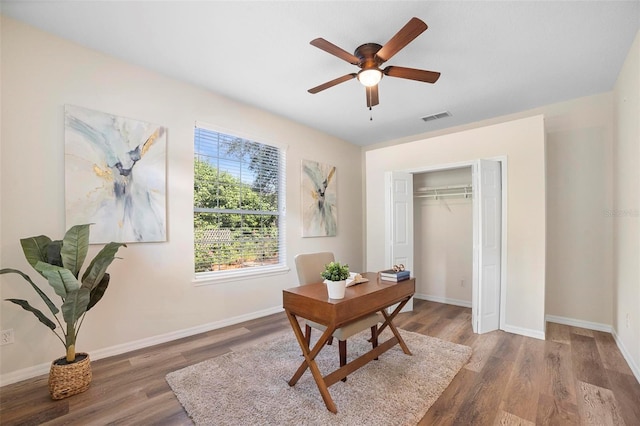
pixel 60 262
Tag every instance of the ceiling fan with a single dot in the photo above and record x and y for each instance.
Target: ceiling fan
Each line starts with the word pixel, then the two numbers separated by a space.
pixel 370 56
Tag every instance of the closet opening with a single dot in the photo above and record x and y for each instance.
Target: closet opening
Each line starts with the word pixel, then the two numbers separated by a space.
pixel 448 225
pixel 443 235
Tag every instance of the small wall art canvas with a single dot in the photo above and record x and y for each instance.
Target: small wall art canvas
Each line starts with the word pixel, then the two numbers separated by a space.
pixel 319 209
pixel 115 176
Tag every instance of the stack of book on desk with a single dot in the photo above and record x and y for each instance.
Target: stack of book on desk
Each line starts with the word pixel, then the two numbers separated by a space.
pixel 391 275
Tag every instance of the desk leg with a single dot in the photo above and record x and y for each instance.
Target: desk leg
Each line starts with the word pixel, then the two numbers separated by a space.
pixel 389 321
pixel 309 360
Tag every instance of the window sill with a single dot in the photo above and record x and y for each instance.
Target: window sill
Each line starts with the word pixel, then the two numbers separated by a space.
pixel 213 278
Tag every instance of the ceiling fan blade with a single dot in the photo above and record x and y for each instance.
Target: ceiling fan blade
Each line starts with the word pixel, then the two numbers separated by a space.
pixel 412 74
pixel 332 83
pixel 372 96
pixel 329 47
pixel 411 30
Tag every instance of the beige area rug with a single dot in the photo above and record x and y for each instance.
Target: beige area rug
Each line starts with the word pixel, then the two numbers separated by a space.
pixel 250 387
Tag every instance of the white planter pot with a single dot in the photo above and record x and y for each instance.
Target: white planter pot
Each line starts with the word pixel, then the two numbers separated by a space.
pixel 336 289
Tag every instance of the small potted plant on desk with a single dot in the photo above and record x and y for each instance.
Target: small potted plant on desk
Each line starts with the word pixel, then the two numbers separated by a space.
pixel 335 276
pixel 60 263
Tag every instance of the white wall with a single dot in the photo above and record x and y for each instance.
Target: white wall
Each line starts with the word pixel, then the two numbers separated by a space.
pixel 151 292
pixel 522 142
pixel 443 239
pixel 626 208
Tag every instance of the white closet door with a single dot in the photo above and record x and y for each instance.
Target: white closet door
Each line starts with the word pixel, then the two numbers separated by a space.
pixel 487 240
pixel 399 222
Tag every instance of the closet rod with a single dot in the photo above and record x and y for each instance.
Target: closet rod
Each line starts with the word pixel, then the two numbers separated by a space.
pixel 444 191
pixel 457 194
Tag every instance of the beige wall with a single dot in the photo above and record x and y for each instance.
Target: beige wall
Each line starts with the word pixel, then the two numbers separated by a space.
pixel 151 292
pixel 579 194
pixel 626 208
pixel 584 284
pixel 522 142
pixel 40 73
pixel 443 250
pixel 579 138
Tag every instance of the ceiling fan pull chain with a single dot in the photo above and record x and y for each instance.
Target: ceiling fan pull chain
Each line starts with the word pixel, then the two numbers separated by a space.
pixel 370 114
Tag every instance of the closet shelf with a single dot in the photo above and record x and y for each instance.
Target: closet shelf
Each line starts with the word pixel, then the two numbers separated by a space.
pixel 436 192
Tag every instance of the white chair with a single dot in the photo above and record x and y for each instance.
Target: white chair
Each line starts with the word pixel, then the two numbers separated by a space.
pixel 309 267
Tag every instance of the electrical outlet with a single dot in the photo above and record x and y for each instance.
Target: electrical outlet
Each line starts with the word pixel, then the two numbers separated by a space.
pixel 6 336
pixel 628 320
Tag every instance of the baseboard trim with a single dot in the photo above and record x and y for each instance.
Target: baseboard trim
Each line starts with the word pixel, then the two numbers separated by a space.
pixel 527 332
pixel 604 328
pixel 30 372
pixel 508 328
pixel 38 370
pixel 439 299
pixel 579 323
pixel 627 355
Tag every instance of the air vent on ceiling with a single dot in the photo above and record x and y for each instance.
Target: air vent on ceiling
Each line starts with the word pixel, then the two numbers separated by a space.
pixel 437 116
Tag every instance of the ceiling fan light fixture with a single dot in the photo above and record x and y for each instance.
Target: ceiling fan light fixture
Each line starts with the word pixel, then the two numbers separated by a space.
pixel 370 77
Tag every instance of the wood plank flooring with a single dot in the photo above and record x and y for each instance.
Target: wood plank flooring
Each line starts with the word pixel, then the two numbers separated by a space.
pixel 576 376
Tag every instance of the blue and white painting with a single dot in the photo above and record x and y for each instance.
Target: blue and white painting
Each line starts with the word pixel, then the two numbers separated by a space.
pixel 319 197
pixel 115 176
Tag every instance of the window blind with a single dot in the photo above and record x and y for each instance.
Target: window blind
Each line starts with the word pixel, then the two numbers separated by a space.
pixel 238 199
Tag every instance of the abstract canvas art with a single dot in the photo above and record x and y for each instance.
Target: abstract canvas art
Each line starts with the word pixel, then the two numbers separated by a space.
pixel 115 176
pixel 319 209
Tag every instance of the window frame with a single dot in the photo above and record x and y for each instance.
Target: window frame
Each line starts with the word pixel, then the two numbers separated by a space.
pixel 217 277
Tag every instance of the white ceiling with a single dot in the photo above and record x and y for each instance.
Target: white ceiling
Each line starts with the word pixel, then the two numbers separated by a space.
pixel 496 57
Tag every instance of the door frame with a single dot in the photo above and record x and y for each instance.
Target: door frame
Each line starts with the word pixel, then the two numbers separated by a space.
pixel 502 159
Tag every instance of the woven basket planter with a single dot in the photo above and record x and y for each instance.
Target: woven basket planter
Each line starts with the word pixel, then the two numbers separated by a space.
pixel 69 379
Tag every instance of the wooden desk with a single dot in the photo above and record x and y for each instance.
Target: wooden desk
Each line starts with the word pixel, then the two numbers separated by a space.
pixel 312 302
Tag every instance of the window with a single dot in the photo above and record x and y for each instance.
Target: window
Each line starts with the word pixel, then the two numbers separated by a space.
pixel 238 207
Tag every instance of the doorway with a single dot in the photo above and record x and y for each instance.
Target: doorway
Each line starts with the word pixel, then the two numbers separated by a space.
pixel 488 192
pixel 443 229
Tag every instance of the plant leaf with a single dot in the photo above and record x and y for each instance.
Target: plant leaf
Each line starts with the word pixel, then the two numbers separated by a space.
pixel 61 279
pixel 334 271
pixel 53 308
pixel 98 291
pixel 35 249
pixel 53 253
pixel 27 307
pixel 75 247
pixel 98 266
pixel 75 305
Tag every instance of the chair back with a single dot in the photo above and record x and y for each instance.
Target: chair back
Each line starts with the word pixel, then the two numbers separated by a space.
pixel 309 266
